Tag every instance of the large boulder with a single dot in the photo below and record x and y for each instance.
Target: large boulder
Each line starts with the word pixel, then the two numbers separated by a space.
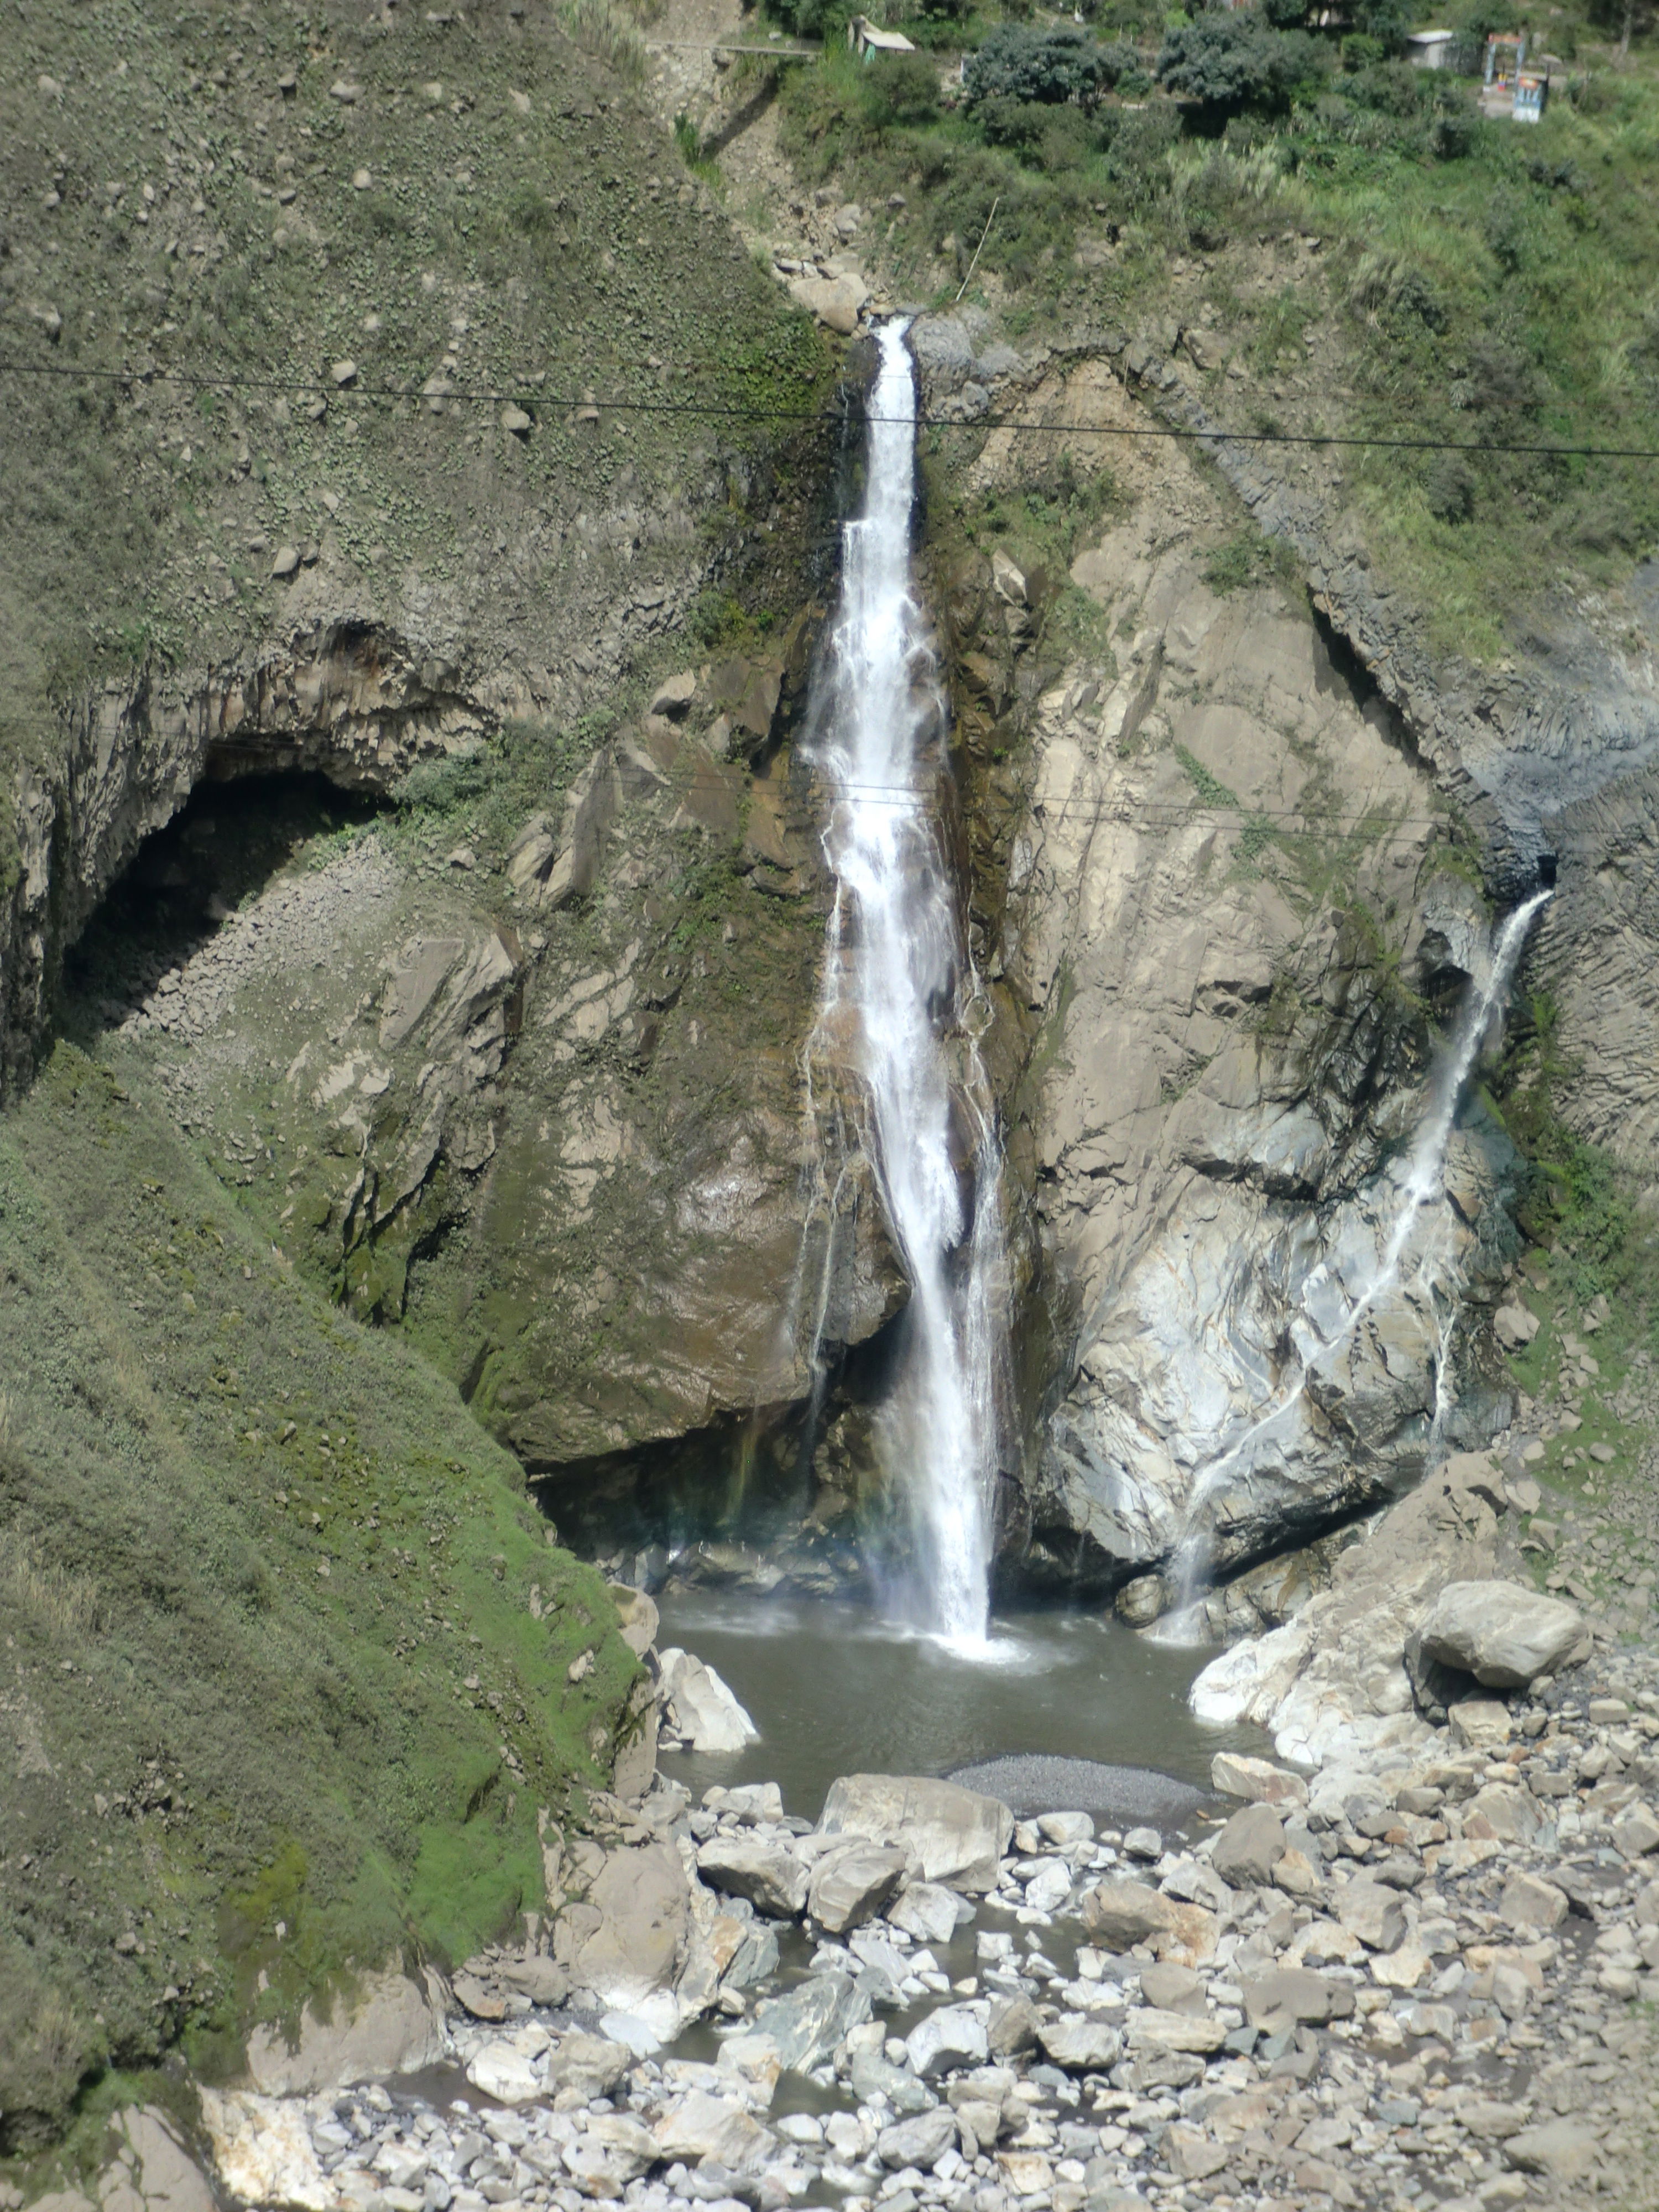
pixel 383 2024
pixel 958 1836
pixel 628 1937
pixel 772 1878
pixel 150 2170
pixel 1249 1847
pixel 807 2023
pixel 701 1707
pixel 851 1886
pixel 1504 1635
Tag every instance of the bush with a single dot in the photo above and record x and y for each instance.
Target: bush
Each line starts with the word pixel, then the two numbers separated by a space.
pixel 1451 488
pixel 1049 66
pixel 1230 61
pixel 1016 122
pixel 901 88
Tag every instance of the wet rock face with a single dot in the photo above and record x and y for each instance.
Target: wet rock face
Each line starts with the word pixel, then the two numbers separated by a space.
pixel 1225 913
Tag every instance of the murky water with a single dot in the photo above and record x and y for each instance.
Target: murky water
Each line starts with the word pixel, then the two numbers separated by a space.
pixel 837 1690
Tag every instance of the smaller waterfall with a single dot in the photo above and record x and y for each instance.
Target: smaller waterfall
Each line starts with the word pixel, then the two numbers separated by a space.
pixel 897 995
pixel 1421 1187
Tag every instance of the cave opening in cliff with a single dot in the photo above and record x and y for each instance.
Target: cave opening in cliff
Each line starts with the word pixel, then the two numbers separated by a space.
pixel 223 846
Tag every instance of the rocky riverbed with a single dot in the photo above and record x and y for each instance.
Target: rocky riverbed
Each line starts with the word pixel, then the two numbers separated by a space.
pixel 1425 1985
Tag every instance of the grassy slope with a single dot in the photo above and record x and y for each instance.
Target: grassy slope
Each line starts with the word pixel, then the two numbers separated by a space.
pixel 523 229
pixel 253 1677
pixel 1473 280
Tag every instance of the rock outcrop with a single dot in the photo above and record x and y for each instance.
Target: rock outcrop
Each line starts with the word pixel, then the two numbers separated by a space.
pixel 1229 907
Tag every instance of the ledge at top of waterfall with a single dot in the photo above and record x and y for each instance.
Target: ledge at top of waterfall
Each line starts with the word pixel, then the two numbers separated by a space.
pixel 894 1070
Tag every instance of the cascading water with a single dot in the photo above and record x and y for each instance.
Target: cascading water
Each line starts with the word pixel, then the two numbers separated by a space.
pixel 897 996
pixel 1315 1335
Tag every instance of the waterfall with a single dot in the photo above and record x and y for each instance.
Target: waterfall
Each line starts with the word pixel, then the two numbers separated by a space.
pixel 894 1026
pixel 1420 1187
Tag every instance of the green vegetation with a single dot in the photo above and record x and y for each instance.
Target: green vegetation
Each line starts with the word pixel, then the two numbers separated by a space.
pixel 286 1646
pixel 465 207
pixel 1380 258
pixel 1576 1202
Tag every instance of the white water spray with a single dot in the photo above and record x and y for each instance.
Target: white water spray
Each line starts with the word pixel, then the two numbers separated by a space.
pixel 1422 1186
pixel 897 988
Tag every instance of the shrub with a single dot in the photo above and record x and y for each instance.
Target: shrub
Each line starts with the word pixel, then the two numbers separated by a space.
pixel 901 88
pixel 1016 122
pixel 1023 62
pixel 1451 488
pixel 1230 61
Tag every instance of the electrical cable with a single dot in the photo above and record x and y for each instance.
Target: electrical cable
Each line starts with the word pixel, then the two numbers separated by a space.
pixel 717 411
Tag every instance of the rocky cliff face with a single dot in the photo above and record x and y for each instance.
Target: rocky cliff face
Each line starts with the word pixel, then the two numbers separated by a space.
pixel 1226 905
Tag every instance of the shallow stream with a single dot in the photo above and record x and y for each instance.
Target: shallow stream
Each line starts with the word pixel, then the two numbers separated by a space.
pixel 835 1689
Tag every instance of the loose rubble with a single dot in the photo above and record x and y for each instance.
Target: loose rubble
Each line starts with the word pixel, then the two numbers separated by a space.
pixel 1318 1990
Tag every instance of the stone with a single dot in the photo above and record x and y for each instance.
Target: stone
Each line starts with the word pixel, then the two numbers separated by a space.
pixel 1256 1780
pixel 1192 2154
pixel 920 2141
pixel 262 2151
pixel 1498 1810
pixel 1564 2150
pixel 1402 1968
pixel 772 1878
pixel 286 563
pixel 1011 2027
pixel 807 2023
pixel 626 1939
pixel 927 1911
pixel 835 300
pixel 1636 1832
pixel 343 373
pixel 506 2072
pixel 612 2150
pixel 1370 1911
pixel 1479 1724
pixel 164 2176
pixel 1049 1887
pixel 1026 2174
pixel 1079 2044
pixel 704 2125
pixel 850 1886
pixel 1125 1913
pixel 1174 2031
pixel 1515 1326
pixel 382 2024
pixel 702 1706
pixel 672 699
pixel 752 2064
pixel 1144 1843
pixel 1063 1829
pixel 1503 1634
pixel 1172 1988
pixel 637 1617
pixel 590 2064
pixel 1140 1602
pixel 1295 1995
pixel 1249 1847
pixel 1529 1901
pixel 958 1836
pixel 514 420
pixel 946 2040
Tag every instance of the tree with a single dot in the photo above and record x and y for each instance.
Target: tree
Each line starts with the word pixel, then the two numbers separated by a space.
pixel 1026 62
pixel 1228 62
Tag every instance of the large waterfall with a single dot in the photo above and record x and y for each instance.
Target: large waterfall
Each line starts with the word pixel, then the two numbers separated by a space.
pixel 895 1025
